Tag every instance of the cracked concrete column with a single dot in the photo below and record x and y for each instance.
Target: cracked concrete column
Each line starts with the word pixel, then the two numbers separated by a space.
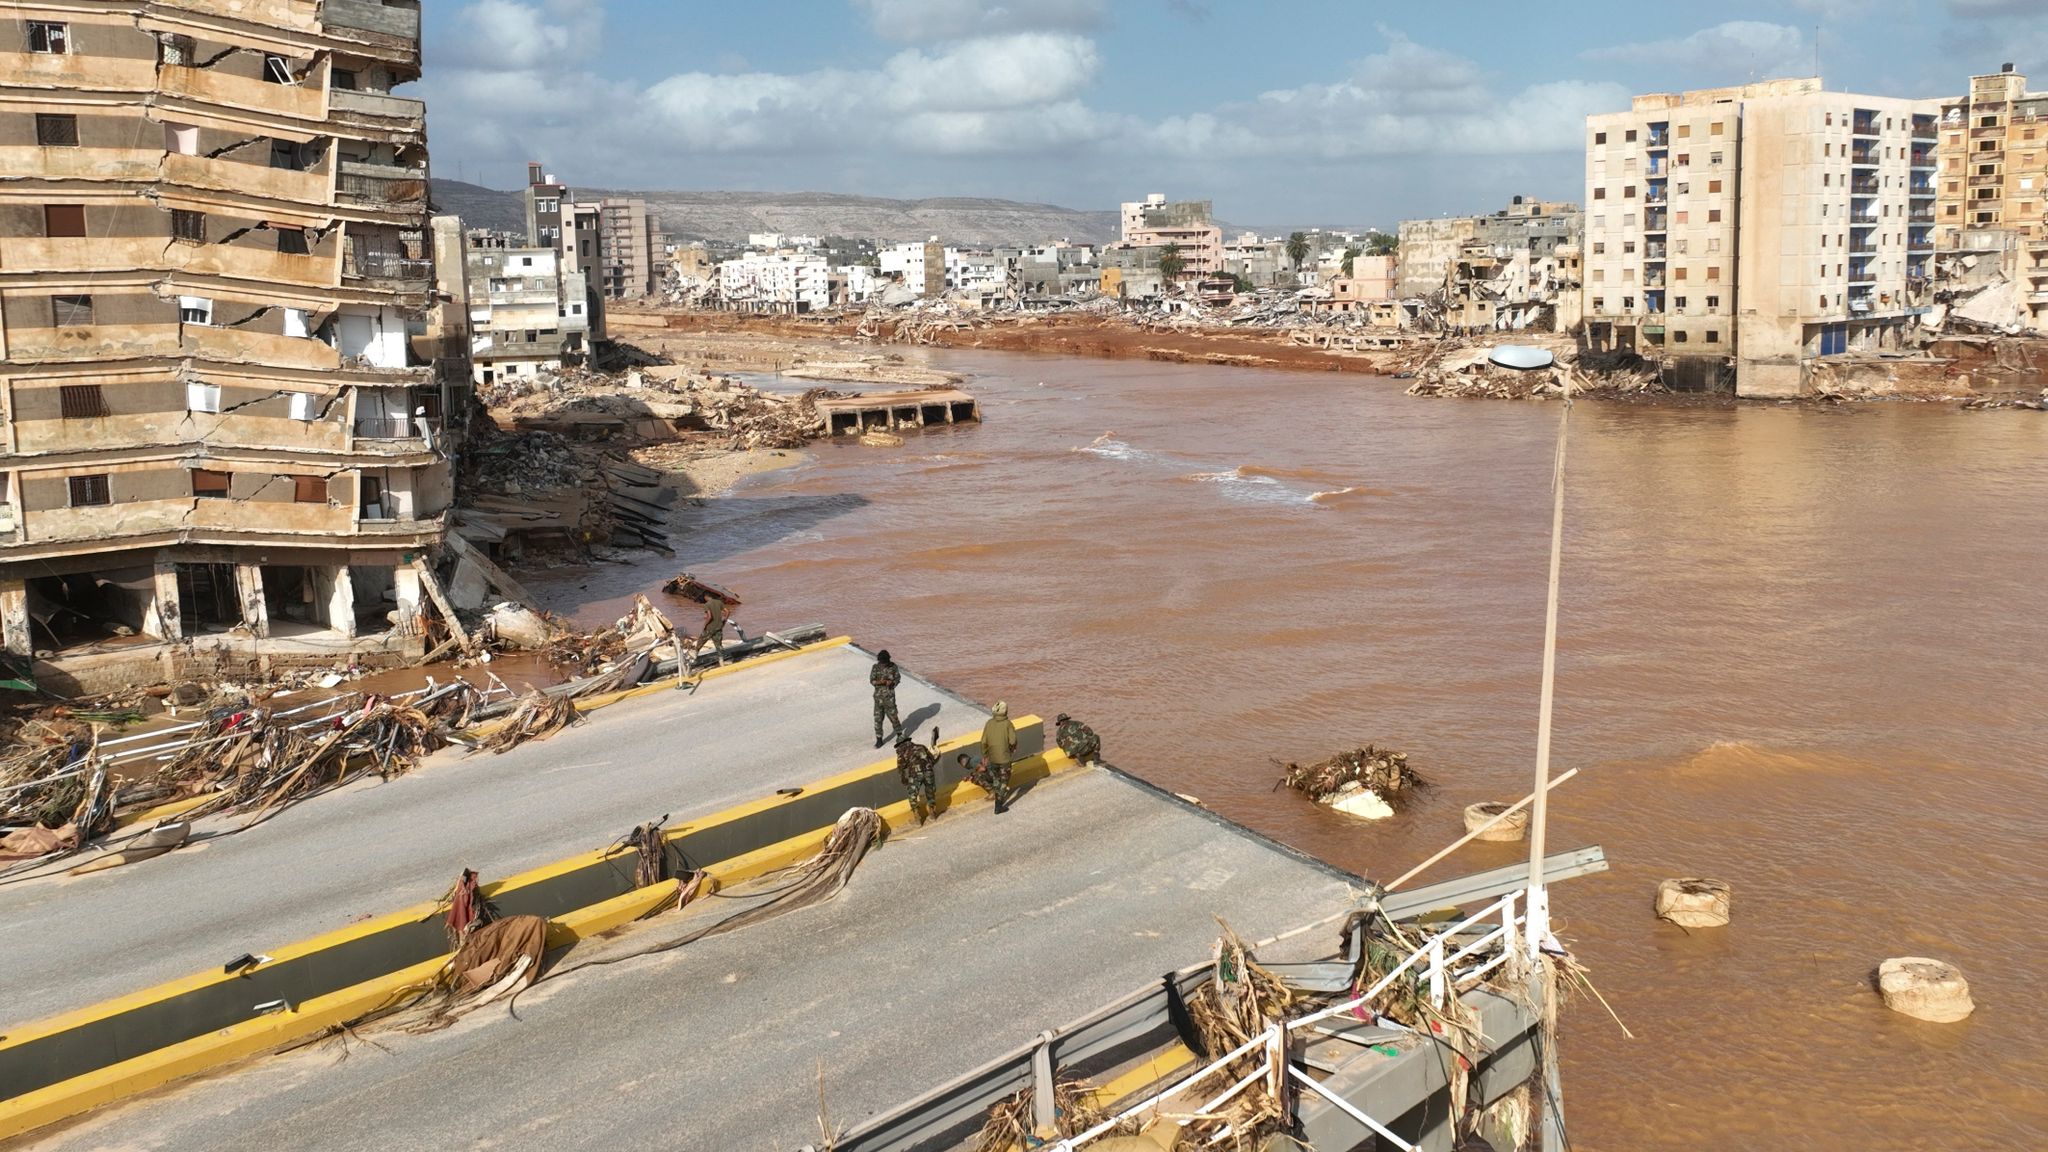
pixel 14 634
pixel 164 618
pixel 249 592
pixel 405 588
pixel 337 591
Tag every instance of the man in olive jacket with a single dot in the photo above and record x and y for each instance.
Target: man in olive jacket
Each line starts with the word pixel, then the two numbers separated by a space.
pixel 998 748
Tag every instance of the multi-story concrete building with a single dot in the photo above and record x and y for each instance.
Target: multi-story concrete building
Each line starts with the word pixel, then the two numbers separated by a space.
pixel 1993 199
pixel 1993 153
pixel 572 230
pixel 1154 222
pixel 526 315
pixel 222 361
pixel 631 249
pixel 1766 224
pixel 1431 249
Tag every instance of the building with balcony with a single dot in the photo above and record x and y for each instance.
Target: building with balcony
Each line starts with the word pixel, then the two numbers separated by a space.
pixel 1992 151
pixel 527 316
pixel 632 249
pixel 1155 222
pixel 1758 226
pixel 224 348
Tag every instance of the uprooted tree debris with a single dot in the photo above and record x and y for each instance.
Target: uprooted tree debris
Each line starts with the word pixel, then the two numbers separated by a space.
pixel 1366 781
pixel 63 788
pixel 1241 1001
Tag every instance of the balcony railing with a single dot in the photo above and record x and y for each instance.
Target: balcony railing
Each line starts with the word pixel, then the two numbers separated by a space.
pixel 1653 252
pixel 1860 218
pixel 1987 180
pixel 1653 221
pixel 1863 275
pixel 1660 140
pixel 376 184
pixel 1865 126
pixel 1923 190
pixel 1925 129
pixel 394 427
pixel 397 20
pixel 1923 157
pixel 1866 187
pixel 1921 216
pixel 1864 154
pixel 1655 281
pixel 1863 247
pixel 393 266
pixel 1655 197
pixel 1920 244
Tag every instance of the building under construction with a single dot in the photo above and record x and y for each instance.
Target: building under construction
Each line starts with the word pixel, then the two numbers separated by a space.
pixel 223 368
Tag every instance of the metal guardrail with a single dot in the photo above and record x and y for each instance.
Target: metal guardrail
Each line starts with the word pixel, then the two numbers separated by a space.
pixel 1144 1019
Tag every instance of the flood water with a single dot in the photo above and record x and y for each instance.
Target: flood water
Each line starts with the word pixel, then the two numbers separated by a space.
pixel 1800 650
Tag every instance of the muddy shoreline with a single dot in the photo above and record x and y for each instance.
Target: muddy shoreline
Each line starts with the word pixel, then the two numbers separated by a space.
pixel 740 341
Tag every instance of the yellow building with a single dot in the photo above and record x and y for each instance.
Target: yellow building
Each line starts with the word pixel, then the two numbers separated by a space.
pixel 222 364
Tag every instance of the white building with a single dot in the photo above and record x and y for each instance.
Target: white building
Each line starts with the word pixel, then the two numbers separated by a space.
pixel 1771 223
pixel 775 282
pixel 525 315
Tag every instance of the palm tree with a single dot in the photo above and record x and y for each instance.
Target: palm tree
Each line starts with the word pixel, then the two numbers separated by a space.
pixel 1379 243
pixel 1171 262
pixel 1350 254
pixel 1297 249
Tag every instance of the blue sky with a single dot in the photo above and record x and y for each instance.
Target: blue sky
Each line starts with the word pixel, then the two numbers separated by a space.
pixel 1286 112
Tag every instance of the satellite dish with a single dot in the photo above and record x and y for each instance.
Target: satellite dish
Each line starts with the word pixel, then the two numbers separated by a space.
pixel 1521 356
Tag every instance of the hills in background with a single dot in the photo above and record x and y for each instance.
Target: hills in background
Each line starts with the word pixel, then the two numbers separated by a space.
pixel 730 216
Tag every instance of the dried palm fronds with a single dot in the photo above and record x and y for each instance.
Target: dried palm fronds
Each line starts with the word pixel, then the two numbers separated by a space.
pixel 1382 770
pixel 538 716
pixel 1009 1124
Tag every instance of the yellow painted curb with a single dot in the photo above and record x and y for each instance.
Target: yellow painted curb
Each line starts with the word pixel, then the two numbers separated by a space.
pixel 897 816
pixel 1156 1071
pixel 605 699
pixel 55 1102
pixel 119 1081
pixel 180 807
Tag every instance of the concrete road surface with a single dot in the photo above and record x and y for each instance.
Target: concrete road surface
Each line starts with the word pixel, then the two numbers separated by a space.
pixel 952 946
pixel 377 847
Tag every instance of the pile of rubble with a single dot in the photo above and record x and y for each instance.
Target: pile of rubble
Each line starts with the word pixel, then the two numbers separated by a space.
pixel 1458 368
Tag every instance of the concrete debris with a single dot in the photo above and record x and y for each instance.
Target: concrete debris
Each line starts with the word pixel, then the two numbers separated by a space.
pixel 1463 368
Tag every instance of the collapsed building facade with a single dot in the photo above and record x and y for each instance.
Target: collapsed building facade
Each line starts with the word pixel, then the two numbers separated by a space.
pixel 224 362
pixel 1516 269
pixel 1992 226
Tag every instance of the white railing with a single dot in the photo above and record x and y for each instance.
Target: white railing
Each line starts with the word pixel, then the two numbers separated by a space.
pixel 1430 963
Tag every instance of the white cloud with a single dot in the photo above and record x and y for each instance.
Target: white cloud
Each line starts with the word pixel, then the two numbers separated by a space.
pixel 1975 8
pixel 920 21
pixel 527 82
pixel 1735 51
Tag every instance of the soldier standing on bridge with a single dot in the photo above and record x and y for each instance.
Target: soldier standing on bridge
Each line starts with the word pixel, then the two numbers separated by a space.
pixel 1077 740
pixel 998 748
pixel 916 766
pixel 885 675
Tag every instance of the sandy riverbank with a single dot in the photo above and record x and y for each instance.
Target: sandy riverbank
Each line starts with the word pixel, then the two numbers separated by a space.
pixel 707 473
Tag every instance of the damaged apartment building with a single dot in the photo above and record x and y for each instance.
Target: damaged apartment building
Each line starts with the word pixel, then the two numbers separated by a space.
pixel 223 364
pixel 535 302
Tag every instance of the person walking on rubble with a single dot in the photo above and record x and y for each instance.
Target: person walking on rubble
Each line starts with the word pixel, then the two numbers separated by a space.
pixel 1077 740
pixel 885 675
pixel 998 748
pixel 917 767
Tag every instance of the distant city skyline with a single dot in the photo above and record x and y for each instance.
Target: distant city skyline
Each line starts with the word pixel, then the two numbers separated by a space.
pixel 1318 112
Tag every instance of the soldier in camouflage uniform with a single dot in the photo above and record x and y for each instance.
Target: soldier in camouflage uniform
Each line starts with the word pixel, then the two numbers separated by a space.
pixel 917 767
pixel 1077 740
pixel 885 675
pixel 998 748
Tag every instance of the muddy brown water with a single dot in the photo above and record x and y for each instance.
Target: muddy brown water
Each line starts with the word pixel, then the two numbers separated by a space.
pixel 1800 650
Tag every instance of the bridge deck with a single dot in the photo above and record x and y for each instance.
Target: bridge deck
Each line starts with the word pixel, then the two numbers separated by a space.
pixel 953 945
